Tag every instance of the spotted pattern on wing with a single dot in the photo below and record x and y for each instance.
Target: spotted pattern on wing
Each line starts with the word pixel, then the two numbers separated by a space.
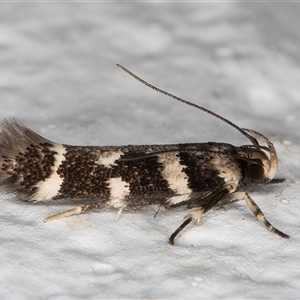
pixel 30 167
pixel 84 177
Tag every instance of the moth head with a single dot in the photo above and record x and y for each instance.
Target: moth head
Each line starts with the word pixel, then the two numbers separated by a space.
pixel 259 167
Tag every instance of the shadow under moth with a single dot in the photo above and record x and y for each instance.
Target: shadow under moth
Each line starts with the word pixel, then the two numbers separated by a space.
pixel 199 176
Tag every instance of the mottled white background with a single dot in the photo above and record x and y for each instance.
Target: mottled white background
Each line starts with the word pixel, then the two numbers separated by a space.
pixel 58 76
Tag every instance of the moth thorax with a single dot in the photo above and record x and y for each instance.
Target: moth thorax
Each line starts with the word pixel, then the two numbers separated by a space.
pixel 257 165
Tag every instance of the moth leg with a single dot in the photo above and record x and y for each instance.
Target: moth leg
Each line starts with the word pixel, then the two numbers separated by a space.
pixel 75 211
pixel 174 234
pixel 277 180
pixel 119 213
pixel 258 213
pixel 157 211
pixel 225 202
pixel 194 213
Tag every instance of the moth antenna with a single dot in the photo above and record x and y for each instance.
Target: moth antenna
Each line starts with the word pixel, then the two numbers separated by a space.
pixel 251 138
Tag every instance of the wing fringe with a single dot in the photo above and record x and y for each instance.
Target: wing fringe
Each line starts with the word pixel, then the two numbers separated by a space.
pixel 14 139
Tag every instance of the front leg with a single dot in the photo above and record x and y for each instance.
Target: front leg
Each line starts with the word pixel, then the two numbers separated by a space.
pixel 256 211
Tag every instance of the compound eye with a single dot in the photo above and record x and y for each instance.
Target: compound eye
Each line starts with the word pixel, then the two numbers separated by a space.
pixel 255 173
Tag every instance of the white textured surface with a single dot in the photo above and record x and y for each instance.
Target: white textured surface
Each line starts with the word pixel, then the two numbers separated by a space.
pixel 58 76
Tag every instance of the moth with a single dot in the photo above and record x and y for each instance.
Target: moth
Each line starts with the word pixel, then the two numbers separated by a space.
pixel 198 176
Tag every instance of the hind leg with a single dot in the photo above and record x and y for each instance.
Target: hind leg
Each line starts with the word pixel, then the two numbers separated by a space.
pixel 76 211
